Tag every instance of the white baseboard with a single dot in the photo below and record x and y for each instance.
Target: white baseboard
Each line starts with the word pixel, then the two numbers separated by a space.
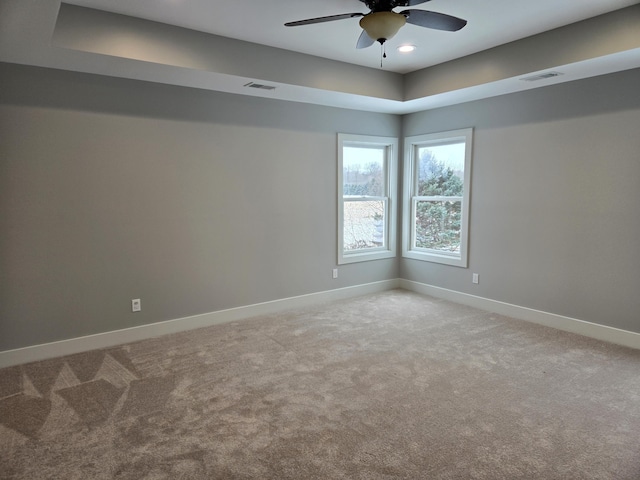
pixel 567 324
pixel 142 332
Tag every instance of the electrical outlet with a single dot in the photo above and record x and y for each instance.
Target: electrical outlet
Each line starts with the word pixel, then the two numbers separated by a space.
pixel 476 278
pixel 335 273
pixel 136 306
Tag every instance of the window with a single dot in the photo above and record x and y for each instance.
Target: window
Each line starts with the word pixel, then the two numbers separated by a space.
pixel 367 177
pixel 436 189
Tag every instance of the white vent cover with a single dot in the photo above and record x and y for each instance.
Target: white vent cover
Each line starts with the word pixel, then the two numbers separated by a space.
pixel 260 86
pixel 542 76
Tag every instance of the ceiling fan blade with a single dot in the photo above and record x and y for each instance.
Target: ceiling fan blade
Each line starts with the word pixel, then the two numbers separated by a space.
pixel 364 40
pixel 439 21
pixel 411 3
pixel 330 18
pixel 384 5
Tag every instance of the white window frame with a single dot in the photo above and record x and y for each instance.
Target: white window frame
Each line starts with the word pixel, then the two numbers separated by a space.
pixel 388 250
pixel 411 146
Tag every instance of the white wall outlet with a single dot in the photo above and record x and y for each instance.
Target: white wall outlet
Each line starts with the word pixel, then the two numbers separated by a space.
pixel 335 273
pixel 136 306
pixel 475 278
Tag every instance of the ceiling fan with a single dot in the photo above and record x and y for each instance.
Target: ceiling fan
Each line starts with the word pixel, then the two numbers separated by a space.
pixel 382 23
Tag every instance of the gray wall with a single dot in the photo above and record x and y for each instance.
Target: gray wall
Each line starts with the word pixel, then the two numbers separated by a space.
pixel 555 198
pixel 595 37
pixel 90 30
pixel 191 200
pixel 196 201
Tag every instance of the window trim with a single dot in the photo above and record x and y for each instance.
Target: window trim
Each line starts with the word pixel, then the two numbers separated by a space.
pixel 391 181
pixel 411 144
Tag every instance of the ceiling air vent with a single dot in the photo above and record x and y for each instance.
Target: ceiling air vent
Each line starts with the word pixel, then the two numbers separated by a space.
pixel 542 76
pixel 260 86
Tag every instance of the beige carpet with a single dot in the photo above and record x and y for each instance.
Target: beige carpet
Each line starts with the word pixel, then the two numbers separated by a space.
pixel 394 385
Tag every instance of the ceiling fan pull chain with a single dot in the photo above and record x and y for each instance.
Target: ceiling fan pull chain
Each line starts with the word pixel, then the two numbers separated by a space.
pixel 383 53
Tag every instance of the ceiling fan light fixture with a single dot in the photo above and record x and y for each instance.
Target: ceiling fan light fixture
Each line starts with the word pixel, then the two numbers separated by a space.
pixel 381 26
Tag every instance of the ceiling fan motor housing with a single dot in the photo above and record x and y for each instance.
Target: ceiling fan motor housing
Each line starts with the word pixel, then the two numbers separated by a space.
pixel 385 5
pixel 381 26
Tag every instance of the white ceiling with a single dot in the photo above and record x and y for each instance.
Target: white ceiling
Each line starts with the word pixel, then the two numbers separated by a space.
pixel 490 23
pixel 447 67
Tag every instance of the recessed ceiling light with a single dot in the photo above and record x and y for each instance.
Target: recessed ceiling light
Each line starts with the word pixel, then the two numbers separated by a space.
pixel 406 48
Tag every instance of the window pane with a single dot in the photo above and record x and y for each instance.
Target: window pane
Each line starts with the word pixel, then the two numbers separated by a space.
pixel 441 170
pixel 437 186
pixel 363 224
pixel 438 225
pixel 363 171
pixel 367 176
